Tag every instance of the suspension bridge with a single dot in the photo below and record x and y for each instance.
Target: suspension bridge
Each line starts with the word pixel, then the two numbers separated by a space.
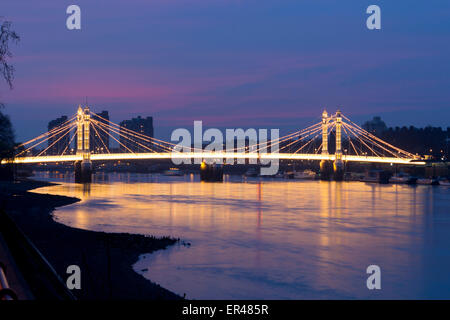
pixel 351 143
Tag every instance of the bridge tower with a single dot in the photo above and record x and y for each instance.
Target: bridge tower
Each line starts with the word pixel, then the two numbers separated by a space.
pixel 83 168
pixel 86 123
pixel 338 166
pixel 80 121
pixel 325 165
pixel 325 121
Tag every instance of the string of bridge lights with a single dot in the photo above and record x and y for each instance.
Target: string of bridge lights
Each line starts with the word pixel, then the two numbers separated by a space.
pixel 307 140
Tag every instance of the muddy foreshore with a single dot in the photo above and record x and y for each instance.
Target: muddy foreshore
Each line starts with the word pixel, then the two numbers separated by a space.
pixel 105 259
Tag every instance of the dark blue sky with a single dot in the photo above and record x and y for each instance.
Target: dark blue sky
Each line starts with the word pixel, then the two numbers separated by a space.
pixel 248 63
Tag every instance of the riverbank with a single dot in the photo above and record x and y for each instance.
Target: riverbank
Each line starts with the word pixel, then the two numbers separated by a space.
pixel 105 259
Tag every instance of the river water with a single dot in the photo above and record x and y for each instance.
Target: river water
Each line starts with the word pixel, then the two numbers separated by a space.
pixel 273 238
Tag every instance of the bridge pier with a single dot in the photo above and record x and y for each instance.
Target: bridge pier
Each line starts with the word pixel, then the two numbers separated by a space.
pixel 77 169
pixel 211 172
pixel 326 170
pixel 338 170
pixel 83 171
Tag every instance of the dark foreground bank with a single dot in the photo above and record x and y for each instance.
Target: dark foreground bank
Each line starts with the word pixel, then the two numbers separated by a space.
pixel 105 259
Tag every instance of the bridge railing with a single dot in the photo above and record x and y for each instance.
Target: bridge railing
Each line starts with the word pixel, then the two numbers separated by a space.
pixel 36 270
pixel 6 293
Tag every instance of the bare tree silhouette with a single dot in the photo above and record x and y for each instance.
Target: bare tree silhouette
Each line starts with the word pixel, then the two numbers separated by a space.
pixel 7 36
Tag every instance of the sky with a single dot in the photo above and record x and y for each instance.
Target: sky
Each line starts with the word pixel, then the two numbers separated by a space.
pixel 229 63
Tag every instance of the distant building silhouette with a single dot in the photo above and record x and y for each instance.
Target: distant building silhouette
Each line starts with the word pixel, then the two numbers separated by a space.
pixel 425 141
pixel 141 125
pixel 57 146
pixel 99 140
pixel 375 126
pixel 432 141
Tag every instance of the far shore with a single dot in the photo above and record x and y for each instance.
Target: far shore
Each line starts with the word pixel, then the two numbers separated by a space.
pixel 105 259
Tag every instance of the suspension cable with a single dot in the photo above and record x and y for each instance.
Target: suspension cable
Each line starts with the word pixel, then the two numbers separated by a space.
pixel 100 138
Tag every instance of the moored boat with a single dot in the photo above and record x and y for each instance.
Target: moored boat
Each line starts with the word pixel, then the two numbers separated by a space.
pixel 289 174
pixel 427 181
pixel 369 179
pixel 398 179
pixel 375 176
pixel 305 175
pixel 402 178
pixel 173 172
pixel 252 172
pixel 279 175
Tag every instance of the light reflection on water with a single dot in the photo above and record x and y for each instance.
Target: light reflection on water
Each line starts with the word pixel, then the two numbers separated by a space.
pixel 274 239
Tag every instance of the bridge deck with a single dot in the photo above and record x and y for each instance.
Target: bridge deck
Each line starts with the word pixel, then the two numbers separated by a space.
pixel 215 155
